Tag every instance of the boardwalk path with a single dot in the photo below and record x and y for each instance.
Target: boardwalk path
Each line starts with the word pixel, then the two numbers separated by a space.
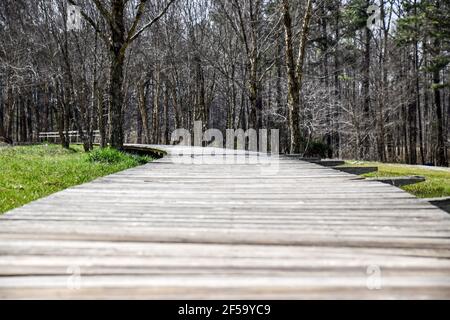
pixel 171 229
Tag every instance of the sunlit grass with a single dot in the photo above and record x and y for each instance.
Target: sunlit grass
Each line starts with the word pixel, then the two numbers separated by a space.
pixel 32 172
pixel 437 182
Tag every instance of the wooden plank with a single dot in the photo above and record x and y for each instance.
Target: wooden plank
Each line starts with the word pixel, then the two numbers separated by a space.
pixel 213 287
pixel 222 226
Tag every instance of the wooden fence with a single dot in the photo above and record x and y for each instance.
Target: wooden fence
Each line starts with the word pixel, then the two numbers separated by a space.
pixel 74 137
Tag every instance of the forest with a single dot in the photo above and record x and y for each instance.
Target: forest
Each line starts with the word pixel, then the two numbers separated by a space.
pixel 351 79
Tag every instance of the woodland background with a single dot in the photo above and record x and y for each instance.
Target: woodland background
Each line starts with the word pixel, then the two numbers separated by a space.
pixel 138 69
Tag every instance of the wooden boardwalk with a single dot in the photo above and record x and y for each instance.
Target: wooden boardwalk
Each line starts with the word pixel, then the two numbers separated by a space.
pixel 203 226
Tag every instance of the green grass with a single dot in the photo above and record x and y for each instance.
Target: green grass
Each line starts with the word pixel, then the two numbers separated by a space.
pixel 32 172
pixel 437 183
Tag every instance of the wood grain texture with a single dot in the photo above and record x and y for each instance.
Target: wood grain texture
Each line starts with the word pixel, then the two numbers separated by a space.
pixel 207 223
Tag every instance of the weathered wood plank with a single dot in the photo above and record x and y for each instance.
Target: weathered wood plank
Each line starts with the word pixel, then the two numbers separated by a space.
pixel 223 226
pixel 213 287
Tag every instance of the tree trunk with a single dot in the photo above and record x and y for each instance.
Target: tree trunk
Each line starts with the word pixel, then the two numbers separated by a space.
pixel 116 102
pixel 117 56
pixel 417 89
pixel 200 110
pixel 101 114
pixel 255 99
pixel 295 71
pixel 441 157
pixel 366 95
pixel 176 107
pixel 166 133
pixel 2 116
pixel 10 114
pixel 293 86
pixel 412 123
pixel 156 115
pixel 414 108
pixel 60 114
pixel 142 102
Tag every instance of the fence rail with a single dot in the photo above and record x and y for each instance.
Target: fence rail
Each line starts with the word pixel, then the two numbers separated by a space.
pixel 74 136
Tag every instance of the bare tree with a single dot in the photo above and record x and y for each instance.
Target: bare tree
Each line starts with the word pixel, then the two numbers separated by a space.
pixel 295 70
pixel 118 39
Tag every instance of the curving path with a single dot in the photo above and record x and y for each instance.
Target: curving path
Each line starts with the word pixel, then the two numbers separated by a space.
pixel 237 226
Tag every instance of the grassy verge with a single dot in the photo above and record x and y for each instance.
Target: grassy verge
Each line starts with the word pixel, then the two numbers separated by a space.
pixel 32 172
pixel 437 184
